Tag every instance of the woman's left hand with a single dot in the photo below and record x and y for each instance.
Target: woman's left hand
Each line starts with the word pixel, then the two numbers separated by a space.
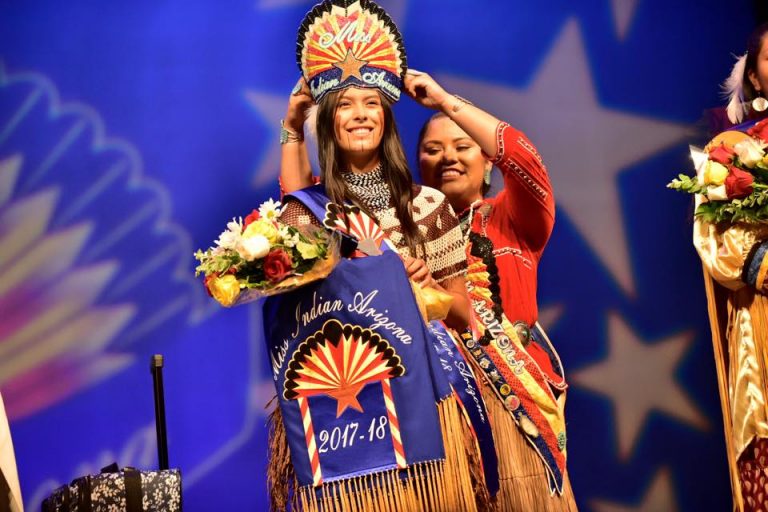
pixel 424 90
pixel 418 271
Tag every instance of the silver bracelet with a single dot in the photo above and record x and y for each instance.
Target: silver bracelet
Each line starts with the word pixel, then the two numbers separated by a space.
pixel 289 136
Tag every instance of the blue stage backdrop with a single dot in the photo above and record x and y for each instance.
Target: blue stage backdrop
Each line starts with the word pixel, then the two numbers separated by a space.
pixel 130 132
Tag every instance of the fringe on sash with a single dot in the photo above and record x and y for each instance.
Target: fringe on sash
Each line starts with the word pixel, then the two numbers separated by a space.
pixel 452 485
pixel 522 476
pixel 281 479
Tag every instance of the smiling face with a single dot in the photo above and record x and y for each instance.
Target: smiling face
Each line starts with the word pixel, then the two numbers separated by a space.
pixel 452 162
pixel 358 123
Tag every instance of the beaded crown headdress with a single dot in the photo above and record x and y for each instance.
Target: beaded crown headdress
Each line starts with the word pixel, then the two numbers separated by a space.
pixel 344 43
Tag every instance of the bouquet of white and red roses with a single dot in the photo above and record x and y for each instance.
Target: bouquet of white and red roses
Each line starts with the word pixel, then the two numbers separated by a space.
pixel 731 176
pixel 261 256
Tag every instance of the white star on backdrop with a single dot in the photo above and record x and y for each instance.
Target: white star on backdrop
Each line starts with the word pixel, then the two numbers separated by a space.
pixel 623 12
pixel 584 144
pixel 659 497
pixel 271 108
pixel 639 377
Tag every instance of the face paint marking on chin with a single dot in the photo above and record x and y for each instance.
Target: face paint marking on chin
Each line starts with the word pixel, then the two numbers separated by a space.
pixel 359 120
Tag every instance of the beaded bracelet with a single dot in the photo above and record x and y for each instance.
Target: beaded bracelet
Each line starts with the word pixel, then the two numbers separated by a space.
pixel 459 103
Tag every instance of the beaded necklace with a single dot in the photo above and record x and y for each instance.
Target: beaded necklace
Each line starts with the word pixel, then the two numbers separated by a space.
pixel 369 187
pixel 466 221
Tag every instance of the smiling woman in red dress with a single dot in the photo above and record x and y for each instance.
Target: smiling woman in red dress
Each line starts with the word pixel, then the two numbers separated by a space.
pixel 506 236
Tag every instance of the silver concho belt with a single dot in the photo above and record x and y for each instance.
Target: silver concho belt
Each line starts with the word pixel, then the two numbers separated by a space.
pixel 523 332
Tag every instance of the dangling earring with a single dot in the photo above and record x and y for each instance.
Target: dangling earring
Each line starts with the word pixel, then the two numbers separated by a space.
pixel 487 177
pixel 759 104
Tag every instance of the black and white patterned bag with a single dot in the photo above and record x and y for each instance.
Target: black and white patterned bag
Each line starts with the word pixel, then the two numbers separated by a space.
pixel 114 490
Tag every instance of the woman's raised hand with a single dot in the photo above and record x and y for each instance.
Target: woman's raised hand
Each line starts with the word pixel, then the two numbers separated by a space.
pixel 298 103
pixel 423 88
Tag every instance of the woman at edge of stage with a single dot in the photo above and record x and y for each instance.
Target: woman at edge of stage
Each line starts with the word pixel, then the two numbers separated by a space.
pixel 737 295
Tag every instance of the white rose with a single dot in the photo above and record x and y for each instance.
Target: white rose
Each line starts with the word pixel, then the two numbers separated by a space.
pixel 717 193
pixel 750 152
pixel 253 248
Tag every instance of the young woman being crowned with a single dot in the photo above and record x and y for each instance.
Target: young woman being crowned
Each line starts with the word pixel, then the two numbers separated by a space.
pixel 377 408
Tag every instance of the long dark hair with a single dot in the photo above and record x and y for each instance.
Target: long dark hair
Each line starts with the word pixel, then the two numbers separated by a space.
pixel 754 44
pixel 394 168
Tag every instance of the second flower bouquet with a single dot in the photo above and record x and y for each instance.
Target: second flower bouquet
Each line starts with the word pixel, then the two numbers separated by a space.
pixel 732 177
pixel 261 256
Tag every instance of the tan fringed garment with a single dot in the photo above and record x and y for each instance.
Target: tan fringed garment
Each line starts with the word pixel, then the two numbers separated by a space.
pixel 452 485
pixel 739 322
pixel 522 476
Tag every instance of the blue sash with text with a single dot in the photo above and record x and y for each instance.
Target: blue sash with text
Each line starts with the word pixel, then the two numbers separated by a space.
pixel 350 362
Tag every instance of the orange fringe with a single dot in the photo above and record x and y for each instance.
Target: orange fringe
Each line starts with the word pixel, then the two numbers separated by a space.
pixel 453 485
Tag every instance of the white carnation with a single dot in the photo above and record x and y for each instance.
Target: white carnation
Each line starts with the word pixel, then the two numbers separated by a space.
pixel 230 238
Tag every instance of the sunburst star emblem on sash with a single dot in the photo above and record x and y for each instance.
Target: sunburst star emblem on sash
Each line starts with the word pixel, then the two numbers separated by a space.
pixel 356 223
pixel 338 361
pixel 350 66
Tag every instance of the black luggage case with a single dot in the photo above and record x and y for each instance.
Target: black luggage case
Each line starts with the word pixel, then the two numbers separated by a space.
pixel 129 489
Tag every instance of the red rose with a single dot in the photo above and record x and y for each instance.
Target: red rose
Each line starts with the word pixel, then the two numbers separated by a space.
pixel 738 183
pixel 277 265
pixel 760 130
pixel 253 216
pixel 722 154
